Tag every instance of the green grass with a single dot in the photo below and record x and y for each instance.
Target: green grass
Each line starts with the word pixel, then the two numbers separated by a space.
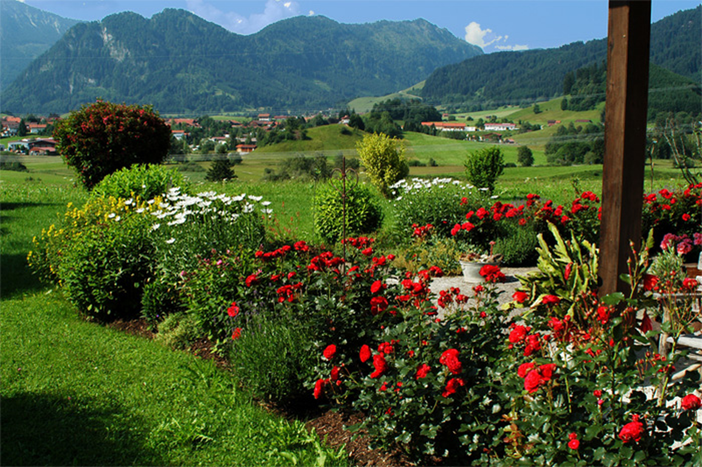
pixel 77 393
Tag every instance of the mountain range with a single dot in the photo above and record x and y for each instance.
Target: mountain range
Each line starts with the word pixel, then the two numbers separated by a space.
pixel 181 63
pixel 25 33
pixel 524 77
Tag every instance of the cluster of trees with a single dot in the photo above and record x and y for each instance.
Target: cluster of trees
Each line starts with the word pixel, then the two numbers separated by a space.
pixel 586 86
pixel 576 145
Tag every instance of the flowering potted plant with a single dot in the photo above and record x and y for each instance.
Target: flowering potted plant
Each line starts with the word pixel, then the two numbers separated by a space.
pixel 473 260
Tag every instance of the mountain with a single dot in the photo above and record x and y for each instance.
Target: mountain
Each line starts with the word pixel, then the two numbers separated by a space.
pixel 524 77
pixel 181 63
pixel 25 33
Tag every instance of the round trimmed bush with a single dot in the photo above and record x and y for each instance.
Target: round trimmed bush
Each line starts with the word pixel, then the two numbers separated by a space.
pixel 363 212
pixel 143 180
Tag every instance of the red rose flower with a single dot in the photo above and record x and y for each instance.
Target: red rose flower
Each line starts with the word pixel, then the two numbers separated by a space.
pixel 236 334
pixel 380 365
pixel 450 359
pixel 686 217
pixel 691 402
pixel 233 310
pixel 492 273
pixel 319 388
pixel 423 371
pixel 378 305
pixel 335 373
pixel 376 286
pixel 520 296
pixel 632 431
pixel 524 368
pixel 365 353
pixel 329 352
pixel 532 381
pixel 574 444
pixel 517 334
pixel 452 385
pixel 550 300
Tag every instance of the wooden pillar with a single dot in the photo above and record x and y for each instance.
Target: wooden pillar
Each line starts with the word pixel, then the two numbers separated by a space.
pixel 628 45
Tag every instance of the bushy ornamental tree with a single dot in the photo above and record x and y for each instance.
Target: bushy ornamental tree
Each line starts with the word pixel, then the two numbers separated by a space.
pixel 384 160
pixel 483 167
pixel 103 137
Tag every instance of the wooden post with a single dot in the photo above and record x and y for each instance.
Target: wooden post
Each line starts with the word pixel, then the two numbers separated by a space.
pixel 628 45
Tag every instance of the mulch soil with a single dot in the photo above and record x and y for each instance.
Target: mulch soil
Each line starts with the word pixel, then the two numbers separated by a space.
pixel 329 425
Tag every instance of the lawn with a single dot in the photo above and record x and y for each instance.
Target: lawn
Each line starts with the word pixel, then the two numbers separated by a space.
pixel 78 393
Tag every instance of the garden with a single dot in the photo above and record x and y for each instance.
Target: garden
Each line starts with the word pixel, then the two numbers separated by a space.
pixel 341 317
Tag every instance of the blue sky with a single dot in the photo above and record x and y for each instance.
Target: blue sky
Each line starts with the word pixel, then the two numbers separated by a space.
pixel 492 24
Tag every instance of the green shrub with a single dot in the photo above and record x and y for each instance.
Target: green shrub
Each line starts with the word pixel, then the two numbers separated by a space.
pixel 441 202
pixel 363 211
pixel 191 167
pixel 161 298
pixel 13 166
pixel 220 170
pixel 143 180
pixel 518 247
pixel 271 357
pixel 103 137
pixel 483 167
pixel 105 258
pixel 384 160
pixel 178 331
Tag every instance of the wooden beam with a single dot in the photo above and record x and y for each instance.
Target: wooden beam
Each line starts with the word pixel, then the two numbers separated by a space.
pixel 628 45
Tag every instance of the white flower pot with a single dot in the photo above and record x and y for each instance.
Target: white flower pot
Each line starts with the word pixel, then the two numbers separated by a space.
pixel 471 271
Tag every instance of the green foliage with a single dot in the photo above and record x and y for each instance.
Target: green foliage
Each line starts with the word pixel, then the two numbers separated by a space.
pixel 439 202
pixel 361 209
pixel 13 166
pixel 161 298
pixel 301 167
pixel 525 156
pixel 483 167
pixel 103 137
pixel 178 331
pixel 575 145
pixel 383 159
pixel 145 181
pixel 518 247
pixel 220 170
pixel 101 256
pixel 271 357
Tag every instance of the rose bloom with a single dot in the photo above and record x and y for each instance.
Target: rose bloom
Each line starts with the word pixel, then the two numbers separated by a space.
pixel 423 371
pixel 319 388
pixel 452 386
pixel 365 353
pixel 550 299
pixel 632 431
pixel 520 296
pixel 335 373
pixel 233 310
pixel 450 359
pixel 380 365
pixel 691 402
pixel 518 334
pixel 236 334
pixel 330 351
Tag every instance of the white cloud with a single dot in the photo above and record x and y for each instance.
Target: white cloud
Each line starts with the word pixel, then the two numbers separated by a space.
pixel 311 13
pixel 275 10
pixel 484 37
pixel 475 35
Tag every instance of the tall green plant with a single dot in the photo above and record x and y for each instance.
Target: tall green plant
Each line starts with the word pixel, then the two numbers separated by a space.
pixel 384 160
pixel 483 167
